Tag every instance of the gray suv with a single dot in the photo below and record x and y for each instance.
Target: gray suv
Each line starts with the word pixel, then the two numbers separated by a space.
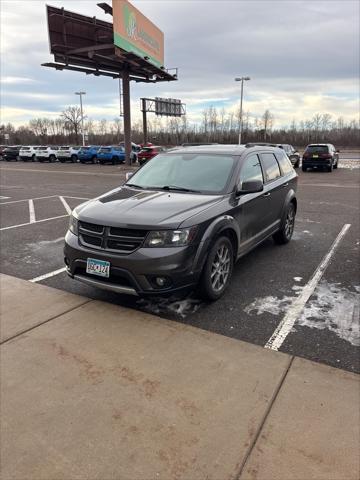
pixel 182 220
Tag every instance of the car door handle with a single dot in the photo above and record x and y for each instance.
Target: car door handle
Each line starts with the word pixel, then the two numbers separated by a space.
pixel 267 194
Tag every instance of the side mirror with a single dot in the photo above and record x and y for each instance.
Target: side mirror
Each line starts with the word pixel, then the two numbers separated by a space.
pixel 252 186
pixel 128 175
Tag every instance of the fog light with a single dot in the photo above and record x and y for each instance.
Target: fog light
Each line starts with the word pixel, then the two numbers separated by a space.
pixel 161 281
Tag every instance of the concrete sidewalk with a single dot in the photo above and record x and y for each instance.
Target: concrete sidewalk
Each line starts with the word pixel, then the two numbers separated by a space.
pixel 91 390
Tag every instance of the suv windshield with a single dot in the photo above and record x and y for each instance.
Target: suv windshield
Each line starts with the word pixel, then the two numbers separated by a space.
pixel 317 149
pixel 201 172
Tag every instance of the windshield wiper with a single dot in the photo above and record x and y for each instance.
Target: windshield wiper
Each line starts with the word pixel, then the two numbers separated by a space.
pixel 179 189
pixel 133 185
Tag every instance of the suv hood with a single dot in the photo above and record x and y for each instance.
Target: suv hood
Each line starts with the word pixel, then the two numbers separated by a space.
pixel 127 207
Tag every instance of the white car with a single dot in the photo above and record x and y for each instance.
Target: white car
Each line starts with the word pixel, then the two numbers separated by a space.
pixel 68 154
pixel 47 154
pixel 28 153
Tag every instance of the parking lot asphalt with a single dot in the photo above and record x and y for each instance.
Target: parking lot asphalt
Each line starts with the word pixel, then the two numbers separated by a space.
pixel 268 285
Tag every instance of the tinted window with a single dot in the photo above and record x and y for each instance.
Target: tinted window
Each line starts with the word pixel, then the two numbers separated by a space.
pixel 105 150
pixel 251 170
pixel 271 167
pixel 317 149
pixel 202 172
pixel 284 162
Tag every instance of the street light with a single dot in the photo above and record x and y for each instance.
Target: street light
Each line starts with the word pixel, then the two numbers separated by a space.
pixel 241 79
pixel 82 116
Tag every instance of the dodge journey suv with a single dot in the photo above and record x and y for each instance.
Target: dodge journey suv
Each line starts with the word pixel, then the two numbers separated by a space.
pixel 182 220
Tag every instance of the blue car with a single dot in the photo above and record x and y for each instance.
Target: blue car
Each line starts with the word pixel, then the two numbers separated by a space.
pixel 111 155
pixel 88 154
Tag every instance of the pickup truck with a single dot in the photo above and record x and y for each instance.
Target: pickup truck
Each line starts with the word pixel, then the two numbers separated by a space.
pixel 88 154
pixel 111 155
pixel 47 154
pixel 28 153
pixel 68 154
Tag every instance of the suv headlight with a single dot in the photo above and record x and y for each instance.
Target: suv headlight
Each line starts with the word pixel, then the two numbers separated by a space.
pixel 73 224
pixel 170 238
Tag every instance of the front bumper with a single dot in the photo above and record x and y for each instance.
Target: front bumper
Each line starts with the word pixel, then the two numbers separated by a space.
pixel 135 273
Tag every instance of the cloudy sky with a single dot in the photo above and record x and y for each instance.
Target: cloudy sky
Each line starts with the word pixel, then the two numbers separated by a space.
pixel 302 57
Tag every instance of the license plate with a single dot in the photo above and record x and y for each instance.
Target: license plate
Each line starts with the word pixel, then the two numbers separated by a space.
pixel 315 156
pixel 98 267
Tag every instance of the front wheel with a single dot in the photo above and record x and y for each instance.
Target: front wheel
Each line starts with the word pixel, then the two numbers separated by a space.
pixel 73 158
pixel 52 158
pixel 287 226
pixel 218 269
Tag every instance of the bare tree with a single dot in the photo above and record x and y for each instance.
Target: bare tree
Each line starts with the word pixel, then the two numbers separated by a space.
pixel 72 119
pixel 267 122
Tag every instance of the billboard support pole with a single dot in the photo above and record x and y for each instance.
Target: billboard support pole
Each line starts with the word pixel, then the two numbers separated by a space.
pixel 127 116
pixel 143 108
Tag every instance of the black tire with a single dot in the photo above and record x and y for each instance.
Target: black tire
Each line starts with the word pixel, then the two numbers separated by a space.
pixel 284 235
pixel 297 164
pixel 330 167
pixel 222 248
pixel 115 160
pixel 303 168
pixel 33 158
pixel 94 158
pixel 74 158
pixel 52 158
pixel 336 164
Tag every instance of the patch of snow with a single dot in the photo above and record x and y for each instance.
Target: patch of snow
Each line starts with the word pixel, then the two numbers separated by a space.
pixel 332 307
pixel 298 279
pixel 336 309
pixel 180 307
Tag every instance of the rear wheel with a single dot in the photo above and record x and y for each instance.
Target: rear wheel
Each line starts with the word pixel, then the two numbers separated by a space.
pixel 330 167
pixel 33 158
pixel 94 158
pixel 74 158
pixel 336 164
pixel 287 226
pixel 52 158
pixel 218 269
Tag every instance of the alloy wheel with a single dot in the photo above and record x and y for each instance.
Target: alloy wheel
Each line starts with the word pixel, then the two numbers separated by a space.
pixel 220 268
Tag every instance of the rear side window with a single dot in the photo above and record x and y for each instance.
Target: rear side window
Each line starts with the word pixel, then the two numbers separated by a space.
pixel 251 170
pixel 271 166
pixel 284 162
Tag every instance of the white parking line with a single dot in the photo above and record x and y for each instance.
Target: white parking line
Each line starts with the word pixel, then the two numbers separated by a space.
pixel 28 199
pixel 37 221
pixel 32 211
pixel 66 205
pixel 48 275
pixel 295 309
pixel 3 198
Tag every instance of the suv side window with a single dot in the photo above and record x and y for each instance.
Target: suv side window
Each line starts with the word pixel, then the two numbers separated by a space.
pixel 284 162
pixel 271 166
pixel 251 170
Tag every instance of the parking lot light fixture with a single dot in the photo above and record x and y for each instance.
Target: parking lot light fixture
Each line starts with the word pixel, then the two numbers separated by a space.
pixel 82 116
pixel 241 79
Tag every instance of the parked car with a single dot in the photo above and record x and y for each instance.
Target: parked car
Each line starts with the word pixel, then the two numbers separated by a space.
pixel 135 149
pixel 111 155
pixel 11 153
pixel 88 154
pixel 146 153
pixel 2 148
pixel 291 152
pixel 320 155
pixel 182 220
pixel 47 153
pixel 68 154
pixel 28 153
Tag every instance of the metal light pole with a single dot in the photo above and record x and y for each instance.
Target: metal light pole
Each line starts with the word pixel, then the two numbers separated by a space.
pixel 241 79
pixel 82 116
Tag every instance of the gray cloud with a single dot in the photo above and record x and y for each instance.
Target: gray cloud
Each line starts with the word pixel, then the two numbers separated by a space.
pixel 290 48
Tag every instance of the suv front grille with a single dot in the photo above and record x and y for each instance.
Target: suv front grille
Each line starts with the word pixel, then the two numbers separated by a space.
pixel 121 240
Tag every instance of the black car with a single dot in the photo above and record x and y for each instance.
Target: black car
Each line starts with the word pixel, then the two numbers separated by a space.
pixel 320 155
pixel 290 151
pixel 183 219
pixel 11 153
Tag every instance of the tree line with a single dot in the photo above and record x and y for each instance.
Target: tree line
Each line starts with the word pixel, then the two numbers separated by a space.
pixel 216 125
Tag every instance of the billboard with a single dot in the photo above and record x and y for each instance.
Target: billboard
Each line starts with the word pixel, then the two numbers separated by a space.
pixel 168 106
pixel 135 33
